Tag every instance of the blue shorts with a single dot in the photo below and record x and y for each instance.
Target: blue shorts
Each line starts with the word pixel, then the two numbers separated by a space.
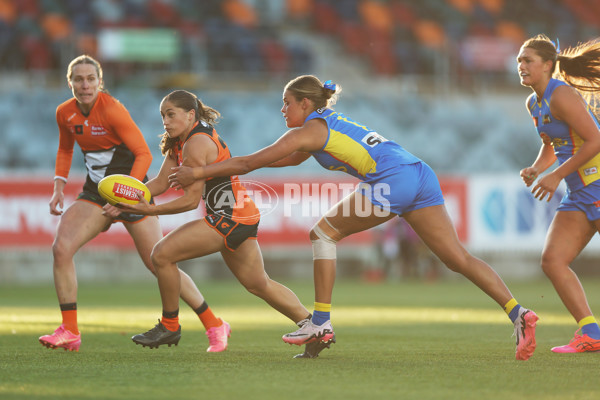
pixel 586 199
pixel 403 188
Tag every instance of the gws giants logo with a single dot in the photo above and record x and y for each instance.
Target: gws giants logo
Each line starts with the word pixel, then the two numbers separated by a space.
pixel 264 196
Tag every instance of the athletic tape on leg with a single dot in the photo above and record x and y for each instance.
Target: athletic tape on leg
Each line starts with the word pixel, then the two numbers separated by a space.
pixel 324 248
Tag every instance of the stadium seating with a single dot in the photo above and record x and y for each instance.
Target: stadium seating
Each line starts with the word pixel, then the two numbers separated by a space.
pixel 270 40
pixel 36 34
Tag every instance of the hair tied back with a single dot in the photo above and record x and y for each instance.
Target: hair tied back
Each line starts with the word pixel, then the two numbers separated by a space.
pixel 329 85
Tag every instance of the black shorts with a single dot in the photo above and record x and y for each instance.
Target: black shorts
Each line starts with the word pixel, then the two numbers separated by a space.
pixel 233 232
pixel 90 193
pixel 97 199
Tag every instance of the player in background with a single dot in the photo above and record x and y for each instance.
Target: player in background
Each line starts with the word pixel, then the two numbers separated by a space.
pixel 394 183
pixel 562 108
pixel 230 226
pixel 112 144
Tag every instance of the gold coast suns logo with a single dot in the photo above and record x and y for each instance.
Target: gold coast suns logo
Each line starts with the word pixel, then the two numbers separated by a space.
pixel 555 142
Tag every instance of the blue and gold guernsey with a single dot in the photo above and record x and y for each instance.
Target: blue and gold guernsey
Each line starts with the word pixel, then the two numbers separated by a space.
pixel 392 178
pixel 355 149
pixel 565 141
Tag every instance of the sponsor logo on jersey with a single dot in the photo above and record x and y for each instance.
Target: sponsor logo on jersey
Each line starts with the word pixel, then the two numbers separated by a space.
pixel 590 171
pixel 211 218
pixel 77 129
pixel 546 119
pixel 98 130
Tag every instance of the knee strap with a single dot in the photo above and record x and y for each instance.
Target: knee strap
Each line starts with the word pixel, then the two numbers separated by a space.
pixel 324 247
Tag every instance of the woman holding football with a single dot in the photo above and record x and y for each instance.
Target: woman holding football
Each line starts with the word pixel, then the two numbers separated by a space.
pixel 112 144
pixel 393 183
pixel 230 227
pixel 562 108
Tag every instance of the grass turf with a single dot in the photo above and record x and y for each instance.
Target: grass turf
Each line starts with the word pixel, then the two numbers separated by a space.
pixel 408 340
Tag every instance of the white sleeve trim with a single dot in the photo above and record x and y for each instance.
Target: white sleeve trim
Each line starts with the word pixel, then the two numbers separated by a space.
pixel 62 178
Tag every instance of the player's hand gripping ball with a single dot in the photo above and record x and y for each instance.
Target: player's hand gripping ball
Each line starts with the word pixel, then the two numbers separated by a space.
pixel 120 188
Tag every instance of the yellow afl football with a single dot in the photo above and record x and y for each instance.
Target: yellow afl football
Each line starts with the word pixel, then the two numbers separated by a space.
pixel 120 188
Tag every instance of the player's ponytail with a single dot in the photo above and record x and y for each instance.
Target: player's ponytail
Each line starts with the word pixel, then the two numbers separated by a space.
pixel 579 66
pixel 206 113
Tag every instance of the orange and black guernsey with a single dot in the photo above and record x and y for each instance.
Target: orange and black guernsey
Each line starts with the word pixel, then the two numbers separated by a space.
pixel 109 138
pixel 222 195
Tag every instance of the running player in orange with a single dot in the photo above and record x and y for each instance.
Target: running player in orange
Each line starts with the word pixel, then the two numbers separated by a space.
pixel 230 226
pixel 112 144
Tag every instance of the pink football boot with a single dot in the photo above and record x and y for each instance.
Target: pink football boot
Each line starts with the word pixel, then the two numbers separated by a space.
pixel 217 338
pixel 62 338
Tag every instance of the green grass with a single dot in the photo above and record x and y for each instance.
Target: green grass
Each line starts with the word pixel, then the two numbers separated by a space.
pixel 395 340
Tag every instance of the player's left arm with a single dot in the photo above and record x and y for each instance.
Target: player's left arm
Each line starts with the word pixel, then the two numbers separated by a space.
pixel 567 105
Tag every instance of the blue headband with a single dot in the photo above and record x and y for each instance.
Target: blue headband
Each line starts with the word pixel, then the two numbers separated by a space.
pixel 329 85
pixel 556 45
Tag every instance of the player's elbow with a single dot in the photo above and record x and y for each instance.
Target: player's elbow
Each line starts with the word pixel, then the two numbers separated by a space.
pixel 189 201
pixel 192 204
pixel 596 145
pixel 244 167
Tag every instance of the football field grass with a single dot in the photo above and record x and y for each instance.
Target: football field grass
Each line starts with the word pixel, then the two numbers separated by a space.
pixel 408 340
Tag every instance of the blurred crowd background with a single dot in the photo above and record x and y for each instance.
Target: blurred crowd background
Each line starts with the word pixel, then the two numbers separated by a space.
pixel 425 72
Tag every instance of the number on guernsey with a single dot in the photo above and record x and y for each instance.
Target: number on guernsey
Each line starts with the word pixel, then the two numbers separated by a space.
pixel 372 139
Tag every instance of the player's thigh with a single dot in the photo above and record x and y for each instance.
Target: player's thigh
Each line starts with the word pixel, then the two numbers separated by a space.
pixel 191 240
pixel 568 234
pixel 79 224
pixel 354 213
pixel 435 228
pixel 145 234
pixel 246 263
